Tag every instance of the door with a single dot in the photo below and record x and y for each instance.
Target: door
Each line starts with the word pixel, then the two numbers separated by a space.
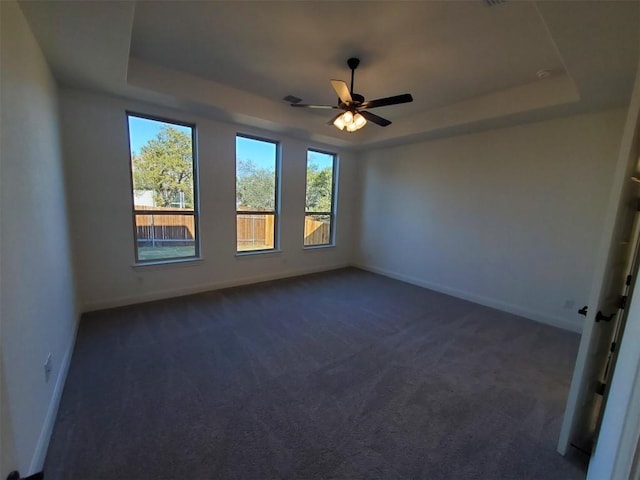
pixel 604 323
pixel 618 320
pixel 604 316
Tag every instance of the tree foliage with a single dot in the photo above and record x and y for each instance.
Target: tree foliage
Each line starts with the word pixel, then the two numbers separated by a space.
pixel 255 187
pixel 165 166
pixel 319 186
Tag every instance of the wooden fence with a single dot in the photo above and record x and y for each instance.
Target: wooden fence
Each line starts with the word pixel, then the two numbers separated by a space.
pixel 315 232
pixel 164 229
pixel 253 230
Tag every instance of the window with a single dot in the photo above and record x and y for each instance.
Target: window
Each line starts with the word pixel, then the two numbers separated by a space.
pixel 320 199
pixel 163 178
pixel 257 189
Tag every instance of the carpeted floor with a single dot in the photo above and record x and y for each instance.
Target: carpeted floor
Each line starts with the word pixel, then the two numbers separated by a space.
pixel 344 374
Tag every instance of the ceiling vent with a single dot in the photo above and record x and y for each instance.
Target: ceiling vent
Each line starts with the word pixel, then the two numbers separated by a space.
pixel 542 74
pixel 493 3
pixel 292 99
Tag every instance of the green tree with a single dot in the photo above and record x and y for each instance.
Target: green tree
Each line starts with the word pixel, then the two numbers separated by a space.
pixel 319 185
pixel 165 166
pixel 255 187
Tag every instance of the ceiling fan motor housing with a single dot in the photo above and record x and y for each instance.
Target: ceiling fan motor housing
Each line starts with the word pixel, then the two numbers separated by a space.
pixel 357 101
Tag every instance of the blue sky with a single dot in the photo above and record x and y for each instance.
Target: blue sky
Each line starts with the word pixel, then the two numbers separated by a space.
pixel 262 154
pixel 323 160
pixel 141 130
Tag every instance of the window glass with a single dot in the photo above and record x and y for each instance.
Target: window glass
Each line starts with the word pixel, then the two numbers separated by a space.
pixel 164 193
pixel 320 190
pixel 256 194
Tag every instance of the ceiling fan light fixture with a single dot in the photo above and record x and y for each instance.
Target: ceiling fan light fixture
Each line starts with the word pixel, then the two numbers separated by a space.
pixel 347 117
pixel 350 122
pixel 339 122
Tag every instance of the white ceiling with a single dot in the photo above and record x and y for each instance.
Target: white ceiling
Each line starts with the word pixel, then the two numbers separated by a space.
pixel 468 66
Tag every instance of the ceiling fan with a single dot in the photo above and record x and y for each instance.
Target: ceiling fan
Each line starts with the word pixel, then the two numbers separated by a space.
pixel 356 114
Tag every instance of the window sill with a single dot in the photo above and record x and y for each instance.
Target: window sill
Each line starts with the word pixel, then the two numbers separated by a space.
pixel 256 253
pixel 186 262
pixel 318 247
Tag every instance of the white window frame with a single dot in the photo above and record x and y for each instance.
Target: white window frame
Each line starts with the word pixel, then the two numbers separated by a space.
pixel 275 212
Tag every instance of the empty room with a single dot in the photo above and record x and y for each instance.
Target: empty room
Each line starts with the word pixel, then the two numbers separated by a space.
pixel 320 240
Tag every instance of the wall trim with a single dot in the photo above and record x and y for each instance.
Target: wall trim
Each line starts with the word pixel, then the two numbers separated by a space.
pixel 40 453
pixel 180 292
pixel 479 299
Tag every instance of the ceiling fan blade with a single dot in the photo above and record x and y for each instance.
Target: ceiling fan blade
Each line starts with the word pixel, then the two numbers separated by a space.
pixel 342 90
pixel 313 106
pixel 383 102
pixel 383 122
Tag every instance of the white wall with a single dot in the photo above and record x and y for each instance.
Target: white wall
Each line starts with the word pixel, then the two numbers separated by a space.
pixel 509 218
pixel 97 155
pixel 37 298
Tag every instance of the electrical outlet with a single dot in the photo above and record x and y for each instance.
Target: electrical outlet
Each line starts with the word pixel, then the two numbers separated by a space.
pixel 47 368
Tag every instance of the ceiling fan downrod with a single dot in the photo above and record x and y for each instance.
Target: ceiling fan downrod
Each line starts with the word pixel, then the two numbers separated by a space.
pixel 356 98
pixel 353 64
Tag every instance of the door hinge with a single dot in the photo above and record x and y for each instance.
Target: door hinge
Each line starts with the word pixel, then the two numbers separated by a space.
pixel 628 281
pixel 602 317
pixel 613 347
pixel 600 388
pixel 623 301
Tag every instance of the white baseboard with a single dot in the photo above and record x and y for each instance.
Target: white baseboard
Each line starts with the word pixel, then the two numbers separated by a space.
pixel 559 322
pixel 180 292
pixel 486 301
pixel 40 453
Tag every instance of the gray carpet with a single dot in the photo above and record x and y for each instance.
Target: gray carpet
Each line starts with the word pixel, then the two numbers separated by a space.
pixel 343 374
